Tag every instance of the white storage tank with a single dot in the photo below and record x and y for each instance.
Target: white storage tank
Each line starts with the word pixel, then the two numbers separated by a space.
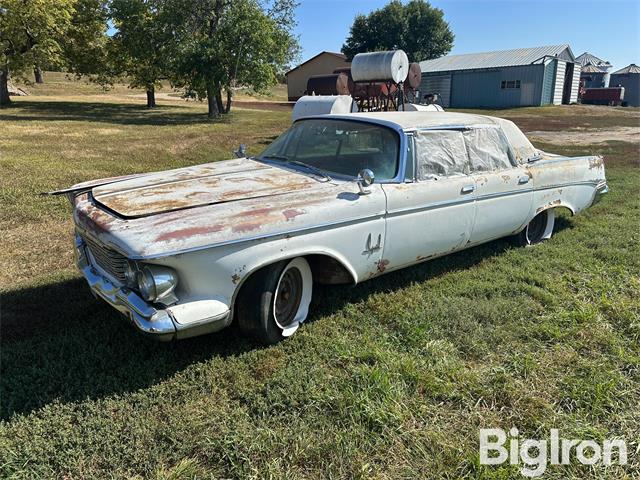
pixel 380 66
pixel 323 105
pixel 416 107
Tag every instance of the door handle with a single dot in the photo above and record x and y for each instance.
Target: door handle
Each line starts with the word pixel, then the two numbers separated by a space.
pixel 523 180
pixel 468 189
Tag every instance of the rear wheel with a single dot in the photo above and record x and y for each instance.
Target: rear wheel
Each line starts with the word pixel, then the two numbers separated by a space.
pixel 275 300
pixel 538 229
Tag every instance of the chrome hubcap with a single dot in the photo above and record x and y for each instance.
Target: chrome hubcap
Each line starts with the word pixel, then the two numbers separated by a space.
pixel 288 298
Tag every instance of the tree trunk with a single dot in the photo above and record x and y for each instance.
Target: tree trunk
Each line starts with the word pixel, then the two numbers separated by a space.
pixel 229 95
pixel 212 104
pixel 151 97
pixel 219 100
pixel 37 72
pixel 4 87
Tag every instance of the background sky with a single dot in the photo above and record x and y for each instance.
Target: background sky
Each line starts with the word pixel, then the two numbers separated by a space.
pixel 608 29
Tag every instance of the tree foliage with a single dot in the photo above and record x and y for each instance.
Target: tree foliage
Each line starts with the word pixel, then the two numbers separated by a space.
pixel 415 27
pixel 143 43
pixel 31 33
pixel 225 43
pixel 85 48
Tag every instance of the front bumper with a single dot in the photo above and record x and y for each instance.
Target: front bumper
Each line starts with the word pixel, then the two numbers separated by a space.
pixel 164 324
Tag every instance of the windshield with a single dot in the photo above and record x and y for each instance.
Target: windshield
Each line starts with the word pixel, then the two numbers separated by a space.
pixel 339 147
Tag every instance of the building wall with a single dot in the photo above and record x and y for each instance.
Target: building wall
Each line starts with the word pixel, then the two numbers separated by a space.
pixel 575 83
pixel 631 84
pixel 595 79
pixel 482 88
pixel 440 84
pixel 558 82
pixel 548 81
pixel 323 64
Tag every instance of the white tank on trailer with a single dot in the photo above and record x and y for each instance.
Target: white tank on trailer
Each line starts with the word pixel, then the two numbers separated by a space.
pixel 416 107
pixel 323 105
pixel 380 66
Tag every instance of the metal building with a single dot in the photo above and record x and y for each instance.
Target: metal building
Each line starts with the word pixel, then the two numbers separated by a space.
pixel 593 77
pixel 629 78
pixel 589 59
pixel 508 78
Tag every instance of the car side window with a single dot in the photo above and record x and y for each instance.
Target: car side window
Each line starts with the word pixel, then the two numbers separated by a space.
pixel 440 153
pixel 488 149
pixel 409 172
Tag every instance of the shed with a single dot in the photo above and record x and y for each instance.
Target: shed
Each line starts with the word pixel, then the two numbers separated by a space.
pixel 593 77
pixel 629 78
pixel 321 64
pixel 507 78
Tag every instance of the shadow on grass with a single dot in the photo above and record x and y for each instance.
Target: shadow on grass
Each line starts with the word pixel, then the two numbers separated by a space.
pixel 119 113
pixel 60 344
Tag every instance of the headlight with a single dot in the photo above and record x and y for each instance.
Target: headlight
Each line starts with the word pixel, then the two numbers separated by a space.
pixel 156 283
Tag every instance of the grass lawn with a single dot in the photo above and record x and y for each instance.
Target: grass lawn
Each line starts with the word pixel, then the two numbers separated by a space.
pixel 390 379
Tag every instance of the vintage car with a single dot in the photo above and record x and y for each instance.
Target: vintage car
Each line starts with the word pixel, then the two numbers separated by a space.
pixel 186 252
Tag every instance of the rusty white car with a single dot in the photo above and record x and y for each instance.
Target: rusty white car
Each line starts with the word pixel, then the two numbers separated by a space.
pixel 336 199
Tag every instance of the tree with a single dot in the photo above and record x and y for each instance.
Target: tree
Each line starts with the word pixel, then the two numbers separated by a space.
pixel 86 45
pixel 416 27
pixel 226 43
pixel 31 32
pixel 143 43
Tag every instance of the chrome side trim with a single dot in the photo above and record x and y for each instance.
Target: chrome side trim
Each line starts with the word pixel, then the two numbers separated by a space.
pixel 430 206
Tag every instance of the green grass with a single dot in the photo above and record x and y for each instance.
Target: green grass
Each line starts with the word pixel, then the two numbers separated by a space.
pixel 390 379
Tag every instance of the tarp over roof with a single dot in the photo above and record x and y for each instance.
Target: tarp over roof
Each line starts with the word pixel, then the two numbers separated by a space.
pixel 502 58
pixel 633 68
pixel 589 59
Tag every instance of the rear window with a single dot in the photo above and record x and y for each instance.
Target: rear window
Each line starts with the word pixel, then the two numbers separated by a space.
pixel 488 149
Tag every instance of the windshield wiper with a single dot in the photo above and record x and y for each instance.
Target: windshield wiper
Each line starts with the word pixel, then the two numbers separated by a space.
pixel 276 157
pixel 315 170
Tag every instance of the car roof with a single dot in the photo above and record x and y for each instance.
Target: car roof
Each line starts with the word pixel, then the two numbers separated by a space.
pixel 522 147
pixel 413 120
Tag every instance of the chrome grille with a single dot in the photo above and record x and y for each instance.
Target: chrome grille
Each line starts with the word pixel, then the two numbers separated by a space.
pixel 107 259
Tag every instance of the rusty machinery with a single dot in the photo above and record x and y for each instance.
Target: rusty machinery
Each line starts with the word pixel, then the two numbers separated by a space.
pixel 384 81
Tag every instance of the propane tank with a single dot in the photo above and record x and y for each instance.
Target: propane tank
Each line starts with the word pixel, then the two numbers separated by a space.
pixel 323 105
pixel 380 66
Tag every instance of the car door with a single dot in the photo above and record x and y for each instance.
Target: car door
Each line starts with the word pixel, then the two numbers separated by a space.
pixel 432 212
pixel 504 190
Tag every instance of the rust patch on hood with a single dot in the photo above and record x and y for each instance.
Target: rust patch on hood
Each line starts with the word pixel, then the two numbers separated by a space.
pixel 188 232
pixel 292 213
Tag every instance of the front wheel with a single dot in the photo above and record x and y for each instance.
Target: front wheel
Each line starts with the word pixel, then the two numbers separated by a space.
pixel 538 229
pixel 275 300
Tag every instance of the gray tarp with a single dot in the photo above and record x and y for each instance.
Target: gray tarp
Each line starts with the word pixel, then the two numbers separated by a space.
pixel 488 149
pixel 440 153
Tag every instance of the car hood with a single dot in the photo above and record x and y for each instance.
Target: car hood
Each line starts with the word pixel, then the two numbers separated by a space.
pixel 208 184
pixel 199 207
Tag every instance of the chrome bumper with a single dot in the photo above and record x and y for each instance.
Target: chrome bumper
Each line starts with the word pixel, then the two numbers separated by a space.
pixel 156 322
pixel 145 318
pixel 601 189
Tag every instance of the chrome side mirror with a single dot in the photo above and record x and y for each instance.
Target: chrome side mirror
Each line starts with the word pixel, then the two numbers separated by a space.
pixel 365 179
pixel 241 152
